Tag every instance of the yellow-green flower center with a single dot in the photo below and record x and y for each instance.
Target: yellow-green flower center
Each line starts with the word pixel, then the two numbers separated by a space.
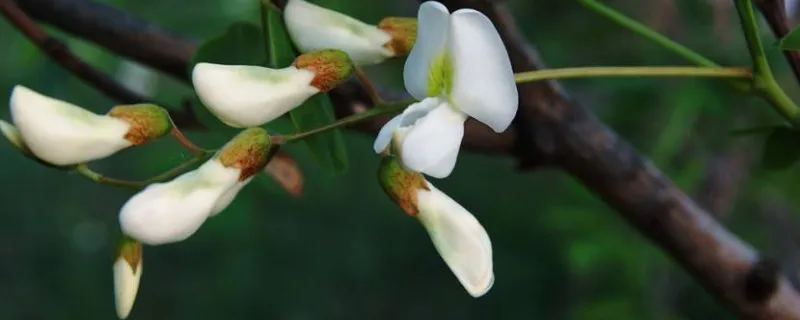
pixel 440 76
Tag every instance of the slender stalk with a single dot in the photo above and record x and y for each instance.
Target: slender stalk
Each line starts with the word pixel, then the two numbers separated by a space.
pixel 372 92
pixel 390 108
pixel 587 72
pixel 185 142
pixel 84 170
pixel 645 31
pixel 183 167
pixel 764 81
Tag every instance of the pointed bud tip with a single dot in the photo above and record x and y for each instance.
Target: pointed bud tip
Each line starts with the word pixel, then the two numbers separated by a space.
pixel 401 185
pixel 404 34
pixel 331 67
pixel 12 134
pixel 127 275
pixel 147 121
pixel 248 151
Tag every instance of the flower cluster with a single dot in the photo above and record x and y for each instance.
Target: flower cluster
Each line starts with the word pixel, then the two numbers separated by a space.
pixel 456 67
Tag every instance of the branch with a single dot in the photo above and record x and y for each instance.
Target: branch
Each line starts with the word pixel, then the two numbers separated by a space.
pixel 774 12
pixel 549 129
pixel 628 182
pixel 61 54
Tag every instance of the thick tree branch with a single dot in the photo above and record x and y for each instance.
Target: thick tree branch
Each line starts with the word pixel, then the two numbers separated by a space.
pixel 549 128
pixel 629 183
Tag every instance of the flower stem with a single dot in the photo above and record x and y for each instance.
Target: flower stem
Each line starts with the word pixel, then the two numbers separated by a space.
pixel 185 142
pixel 587 72
pixel 667 43
pixel 389 108
pixel 85 171
pixel 372 92
pixel 764 81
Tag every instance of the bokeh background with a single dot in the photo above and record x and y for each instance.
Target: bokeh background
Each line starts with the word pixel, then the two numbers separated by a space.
pixel 344 251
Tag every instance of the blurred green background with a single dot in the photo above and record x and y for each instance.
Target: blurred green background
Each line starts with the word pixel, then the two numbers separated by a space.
pixel 344 251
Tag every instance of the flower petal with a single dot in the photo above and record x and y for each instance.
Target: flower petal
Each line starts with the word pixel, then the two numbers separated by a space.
pixel 459 238
pixel 250 96
pixel 431 145
pixel 314 28
pixel 173 211
pixel 61 133
pixel 12 134
pixel 126 286
pixel 225 200
pixel 483 85
pixel 385 135
pixel 433 23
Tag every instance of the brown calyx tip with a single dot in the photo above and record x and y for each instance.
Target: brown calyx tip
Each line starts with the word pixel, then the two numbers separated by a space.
pixel 401 185
pixel 331 67
pixel 248 152
pixel 131 251
pixel 404 34
pixel 148 122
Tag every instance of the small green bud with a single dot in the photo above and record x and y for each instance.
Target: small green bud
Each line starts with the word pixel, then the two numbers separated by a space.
pixel 400 185
pixel 331 67
pixel 248 151
pixel 148 122
pixel 403 32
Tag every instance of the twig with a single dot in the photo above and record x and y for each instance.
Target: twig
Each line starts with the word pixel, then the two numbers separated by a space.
pixel 61 54
pixel 185 142
pixel 774 12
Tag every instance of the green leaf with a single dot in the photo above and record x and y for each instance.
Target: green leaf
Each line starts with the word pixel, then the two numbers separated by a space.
pixel 781 149
pixel 328 148
pixel 792 40
pixel 242 43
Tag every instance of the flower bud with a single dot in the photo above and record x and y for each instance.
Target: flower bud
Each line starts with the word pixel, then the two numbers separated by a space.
pixel 127 275
pixel 147 122
pixel 314 28
pixel 330 67
pixel 250 96
pixel 249 151
pixel 12 134
pixel 458 237
pixel 63 134
pixel 403 32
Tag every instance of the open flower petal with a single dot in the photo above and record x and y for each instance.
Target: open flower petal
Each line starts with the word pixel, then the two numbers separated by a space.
pixel 314 28
pixel 431 145
pixel 433 25
pixel 250 96
pixel 483 83
pixel 459 238
pixel 173 211
pixel 225 200
pixel 385 135
pixel 126 285
pixel 402 121
pixel 61 133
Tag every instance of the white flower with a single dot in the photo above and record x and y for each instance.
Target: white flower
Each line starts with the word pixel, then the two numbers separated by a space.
pixel 61 133
pixel 458 68
pixel 250 96
pixel 459 238
pixel 313 28
pixel 173 211
pixel 126 285
pixel 225 200
pixel 12 134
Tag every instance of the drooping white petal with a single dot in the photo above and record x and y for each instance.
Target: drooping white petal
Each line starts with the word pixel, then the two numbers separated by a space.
pixel 61 133
pixel 459 238
pixel 433 21
pixel 403 121
pixel 225 200
pixel 173 211
pixel 483 83
pixel 385 135
pixel 12 134
pixel 250 96
pixel 431 145
pixel 314 28
pixel 126 286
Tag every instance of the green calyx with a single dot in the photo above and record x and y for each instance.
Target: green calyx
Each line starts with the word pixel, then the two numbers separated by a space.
pixel 401 185
pixel 131 251
pixel 148 122
pixel 404 34
pixel 331 67
pixel 440 76
pixel 248 151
